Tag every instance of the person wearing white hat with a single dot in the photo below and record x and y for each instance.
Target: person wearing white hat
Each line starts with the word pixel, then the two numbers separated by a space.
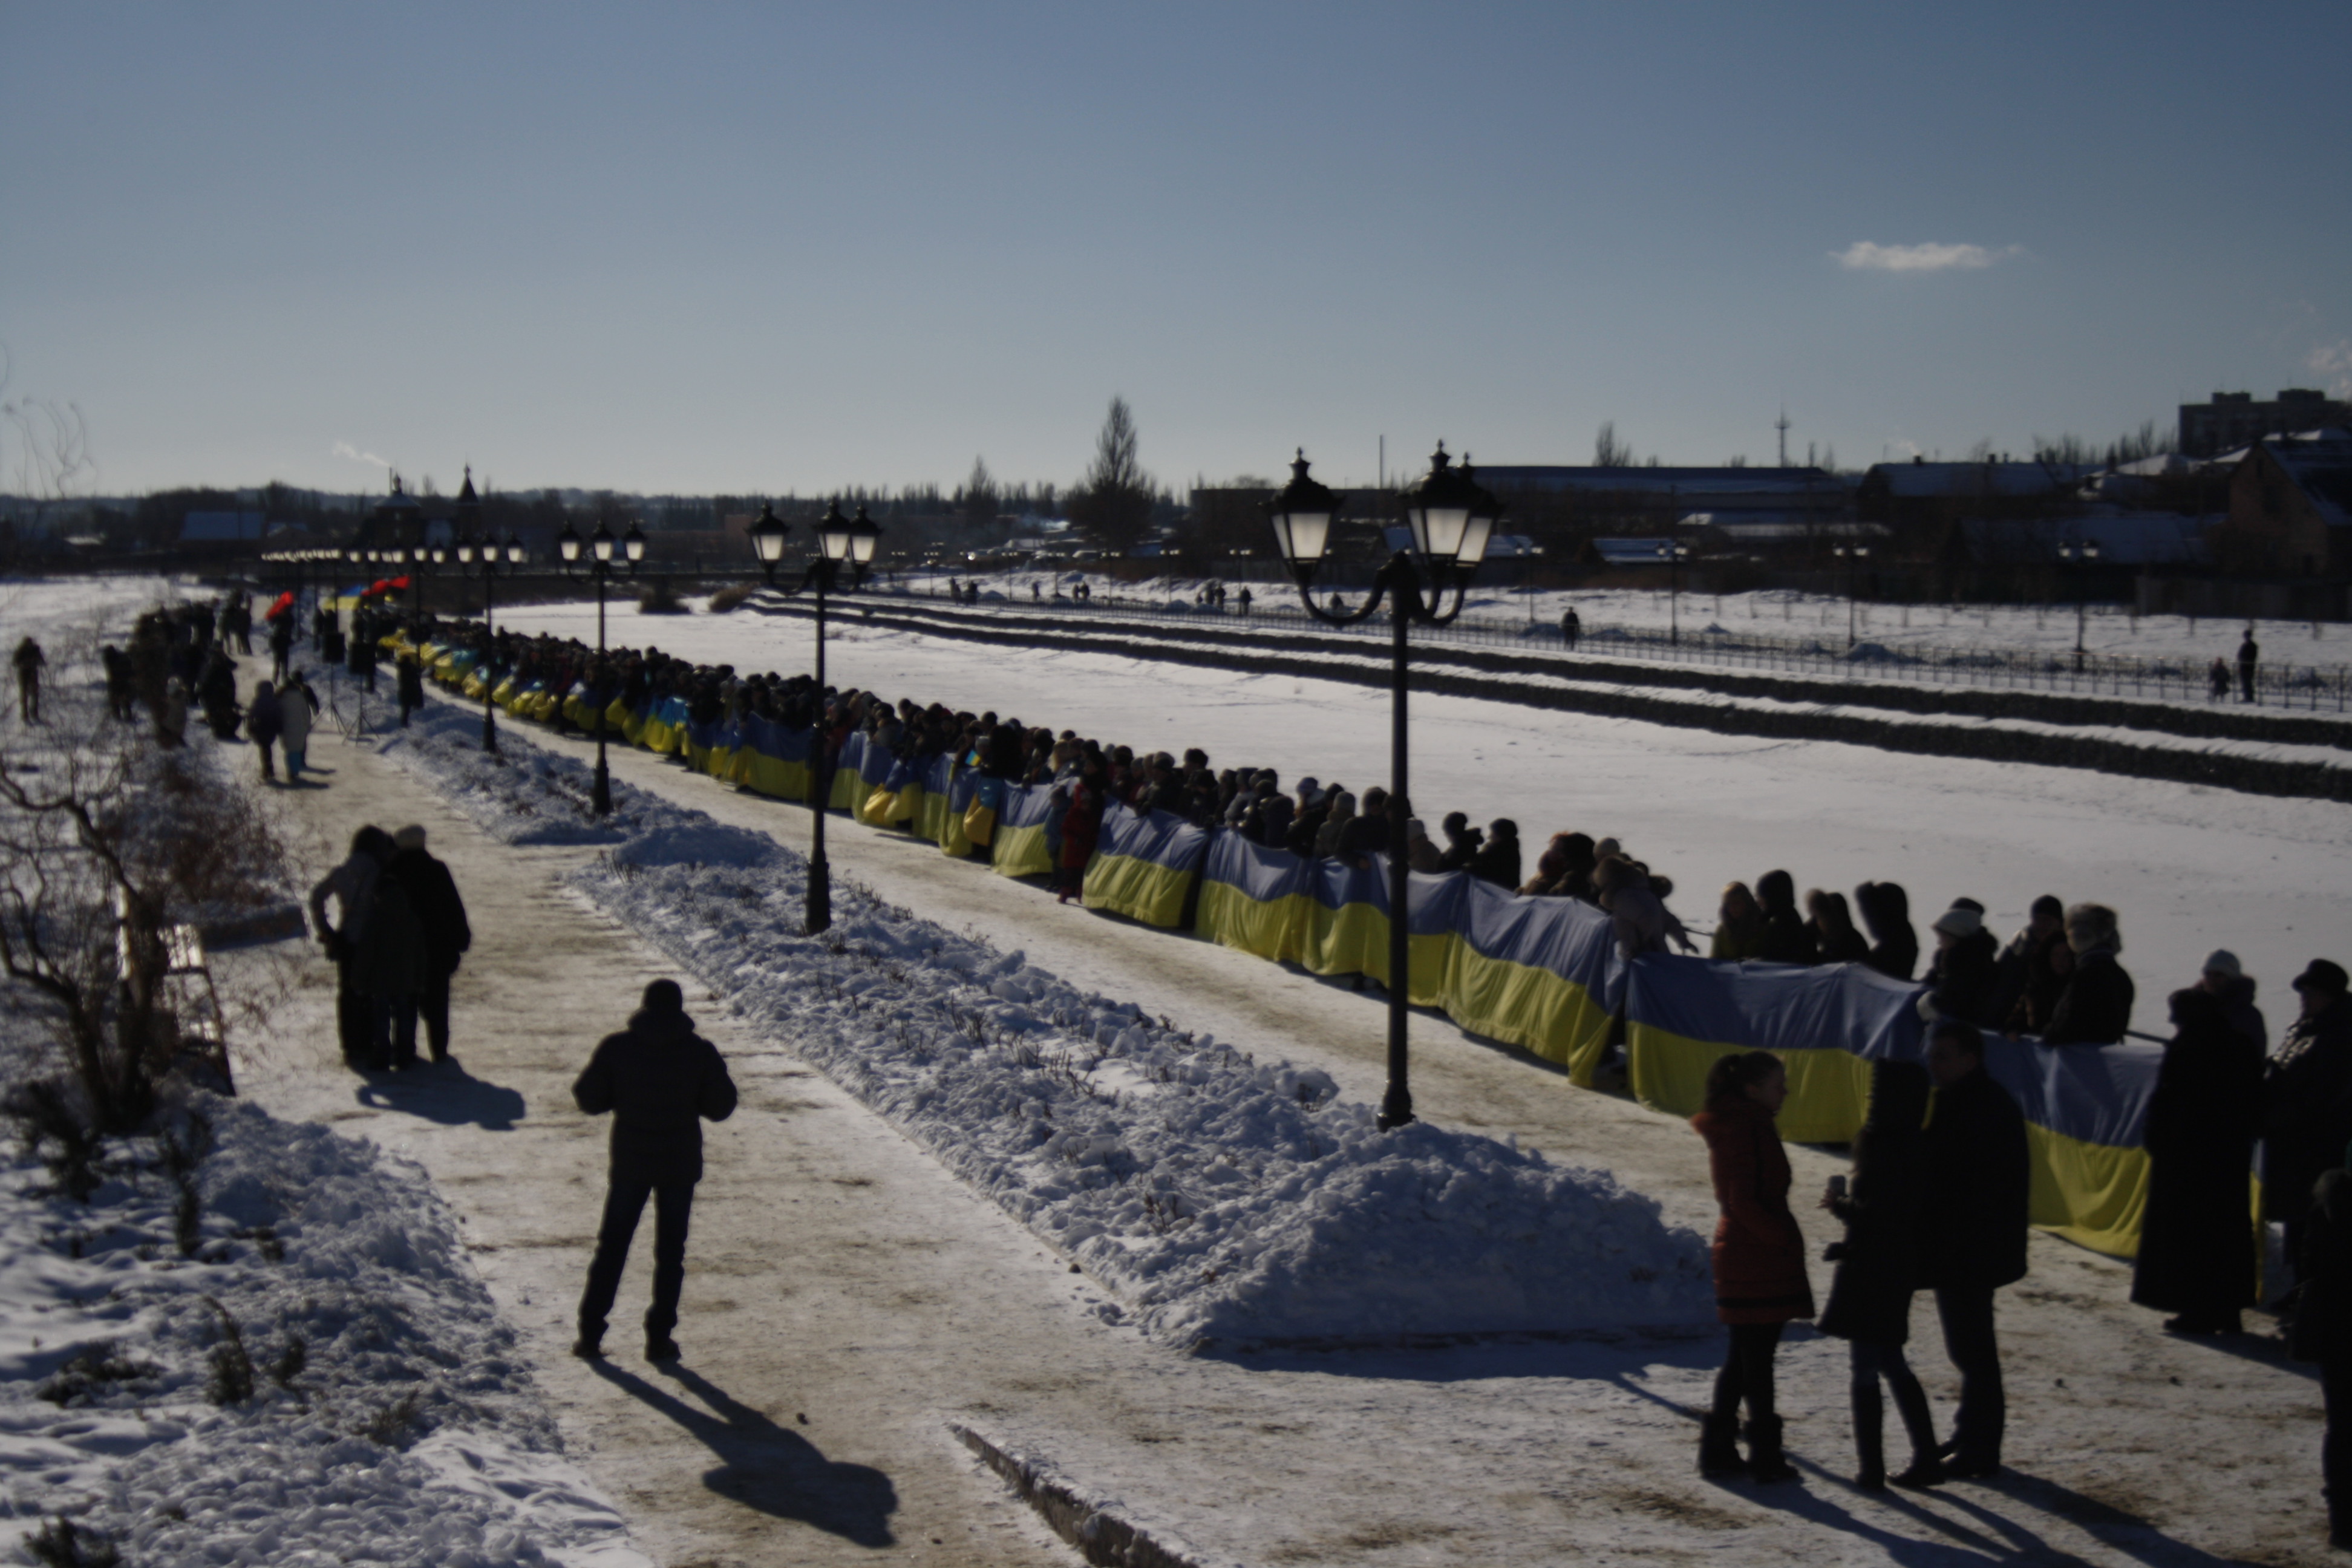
pixel 1964 973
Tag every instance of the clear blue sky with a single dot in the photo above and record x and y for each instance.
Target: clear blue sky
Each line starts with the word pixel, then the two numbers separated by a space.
pixel 756 247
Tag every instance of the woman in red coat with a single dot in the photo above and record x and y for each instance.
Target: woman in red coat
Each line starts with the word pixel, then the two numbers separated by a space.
pixel 1083 825
pixel 1759 1255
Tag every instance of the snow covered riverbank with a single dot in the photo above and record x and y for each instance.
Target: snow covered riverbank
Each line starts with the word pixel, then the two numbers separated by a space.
pixel 1220 1199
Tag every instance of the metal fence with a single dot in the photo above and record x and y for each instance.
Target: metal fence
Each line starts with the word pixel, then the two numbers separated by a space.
pixel 2278 685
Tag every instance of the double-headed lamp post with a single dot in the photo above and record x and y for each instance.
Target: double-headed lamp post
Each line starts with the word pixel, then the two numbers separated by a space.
pixel 1674 552
pixel 1853 556
pixel 2079 558
pixel 1452 518
pixel 841 540
pixel 600 567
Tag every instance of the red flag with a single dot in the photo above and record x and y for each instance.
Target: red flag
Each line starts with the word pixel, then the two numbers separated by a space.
pixel 285 603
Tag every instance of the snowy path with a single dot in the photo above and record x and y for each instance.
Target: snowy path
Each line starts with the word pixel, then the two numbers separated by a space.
pixel 821 1239
pixel 1533 1452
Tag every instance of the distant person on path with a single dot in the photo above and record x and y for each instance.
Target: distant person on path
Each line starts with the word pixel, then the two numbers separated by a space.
pixel 1242 599
pixel 2217 680
pixel 1972 1241
pixel 2307 1099
pixel 298 705
pixel 2322 1332
pixel 29 661
pixel 661 1080
pixel 2197 1244
pixel 1878 1269
pixel 119 686
pixel 1571 627
pixel 281 645
pixel 264 722
pixel 441 920
pixel 409 672
pixel 2250 655
pixel 1759 1259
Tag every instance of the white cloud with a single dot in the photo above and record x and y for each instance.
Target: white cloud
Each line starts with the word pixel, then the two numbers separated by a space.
pixel 345 450
pixel 1862 255
pixel 2333 362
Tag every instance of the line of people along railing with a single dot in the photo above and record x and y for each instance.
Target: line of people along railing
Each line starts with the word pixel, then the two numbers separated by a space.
pixel 2286 685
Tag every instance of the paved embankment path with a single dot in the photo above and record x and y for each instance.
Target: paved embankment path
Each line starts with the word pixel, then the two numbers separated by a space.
pixel 836 1273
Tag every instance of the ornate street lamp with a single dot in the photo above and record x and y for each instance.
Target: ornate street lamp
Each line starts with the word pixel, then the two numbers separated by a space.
pixel 2079 558
pixel 1674 554
pixel 1853 555
pixel 601 546
pixel 841 542
pixel 1452 518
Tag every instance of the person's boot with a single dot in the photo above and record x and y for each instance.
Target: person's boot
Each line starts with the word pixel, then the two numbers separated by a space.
pixel 1870 1438
pixel 1927 1466
pixel 1718 1445
pixel 1765 1462
pixel 590 1345
pixel 660 1348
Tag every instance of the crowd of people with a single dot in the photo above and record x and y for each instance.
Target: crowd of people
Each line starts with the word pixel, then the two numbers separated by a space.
pixel 1936 1201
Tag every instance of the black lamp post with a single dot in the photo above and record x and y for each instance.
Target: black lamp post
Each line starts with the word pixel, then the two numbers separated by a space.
pixel 1451 519
pixel 1674 554
pixel 841 540
pixel 1853 555
pixel 2079 560
pixel 601 546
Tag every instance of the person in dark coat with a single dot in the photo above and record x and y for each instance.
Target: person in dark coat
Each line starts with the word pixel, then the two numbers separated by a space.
pixel 29 661
pixel 1964 972
pixel 1461 842
pixel 2228 980
pixel 2322 1332
pixel 1497 860
pixel 1885 910
pixel 1834 939
pixel 2250 655
pixel 2034 970
pixel 1878 1269
pixel 408 671
pixel 2307 1099
pixel 352 887
pixel 388 968
pixel 2095 1007
pixel 281 645
pixel 1759 1258
pixel 2197 1244
pixel 265 720
pixel 440 914
pixel 1082 826
pixel 662 1081
pixel 1972 1238
pixel 1787 938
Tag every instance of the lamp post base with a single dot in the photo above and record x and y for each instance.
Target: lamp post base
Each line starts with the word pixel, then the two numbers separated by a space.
pixel 1396 1109
pixel 820 896
pixel 600 798
pixel 490 733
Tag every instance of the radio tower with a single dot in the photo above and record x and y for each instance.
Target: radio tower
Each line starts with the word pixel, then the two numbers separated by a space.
pixel 1782 425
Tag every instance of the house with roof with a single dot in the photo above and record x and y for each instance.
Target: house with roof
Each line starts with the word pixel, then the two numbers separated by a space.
pixel 2291 508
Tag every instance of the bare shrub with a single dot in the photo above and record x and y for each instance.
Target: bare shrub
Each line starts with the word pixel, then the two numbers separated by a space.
pixel 732 598
pixel 231 1379
pixel 62 1544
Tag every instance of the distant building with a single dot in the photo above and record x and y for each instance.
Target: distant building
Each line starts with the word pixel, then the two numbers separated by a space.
pixel 1920 492
pixel 1727 494
pixel 2291 508
pixel 2233 419
pixel 222 526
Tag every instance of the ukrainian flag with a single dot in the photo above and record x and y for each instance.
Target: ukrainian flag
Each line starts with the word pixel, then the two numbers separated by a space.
pixel 1537 973
pixel 1144 865
pixel 1020 837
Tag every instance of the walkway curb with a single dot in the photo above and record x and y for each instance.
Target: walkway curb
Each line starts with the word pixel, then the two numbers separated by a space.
pixel 1101 1536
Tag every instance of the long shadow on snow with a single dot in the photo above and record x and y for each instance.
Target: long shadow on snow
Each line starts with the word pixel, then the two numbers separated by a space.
pixel 446 1094
pixel 770 1468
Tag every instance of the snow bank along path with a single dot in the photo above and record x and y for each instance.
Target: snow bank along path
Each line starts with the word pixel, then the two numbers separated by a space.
pixel 386 1410
pixel 1223 1201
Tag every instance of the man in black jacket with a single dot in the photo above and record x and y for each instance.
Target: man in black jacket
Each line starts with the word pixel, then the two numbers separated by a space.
pixel 660 1079
pixel 2307 1099
pixel 1973 1239
pixel 441 913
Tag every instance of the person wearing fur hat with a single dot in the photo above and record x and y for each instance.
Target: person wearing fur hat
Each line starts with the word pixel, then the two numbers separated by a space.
pixel 2095 1007
pixel 1962 974
pixel 2197 1246
pixel 2307 1099
pixel 2223 976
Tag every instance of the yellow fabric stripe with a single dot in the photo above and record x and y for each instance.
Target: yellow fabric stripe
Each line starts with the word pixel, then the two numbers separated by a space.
pixel 2092 1193
pixel 1553 1017
pixel 1274 930
pixel 1021 851
pixel 1139 888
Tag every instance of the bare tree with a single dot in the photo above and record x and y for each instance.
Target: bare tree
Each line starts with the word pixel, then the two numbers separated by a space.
pixel 1113 502
pixel 1608 452
pixel 977 499
pixel 52 461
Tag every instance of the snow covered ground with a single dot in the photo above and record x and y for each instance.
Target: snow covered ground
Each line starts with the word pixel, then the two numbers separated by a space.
pixel 1220 1199
pixel 2190 869
pixel 259 1342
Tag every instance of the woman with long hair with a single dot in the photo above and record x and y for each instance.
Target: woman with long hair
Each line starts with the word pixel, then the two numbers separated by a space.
pixel 1878 1269
pixel 1758 1258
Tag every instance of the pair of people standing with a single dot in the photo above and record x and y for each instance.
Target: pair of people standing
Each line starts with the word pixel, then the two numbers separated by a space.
pixel 279 716
pixel 399 935
pixel 1941 1207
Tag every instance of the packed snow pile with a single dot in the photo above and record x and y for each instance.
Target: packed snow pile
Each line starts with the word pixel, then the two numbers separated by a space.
pixel 1219 1198
pixel 261 1343
pixel 522 795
